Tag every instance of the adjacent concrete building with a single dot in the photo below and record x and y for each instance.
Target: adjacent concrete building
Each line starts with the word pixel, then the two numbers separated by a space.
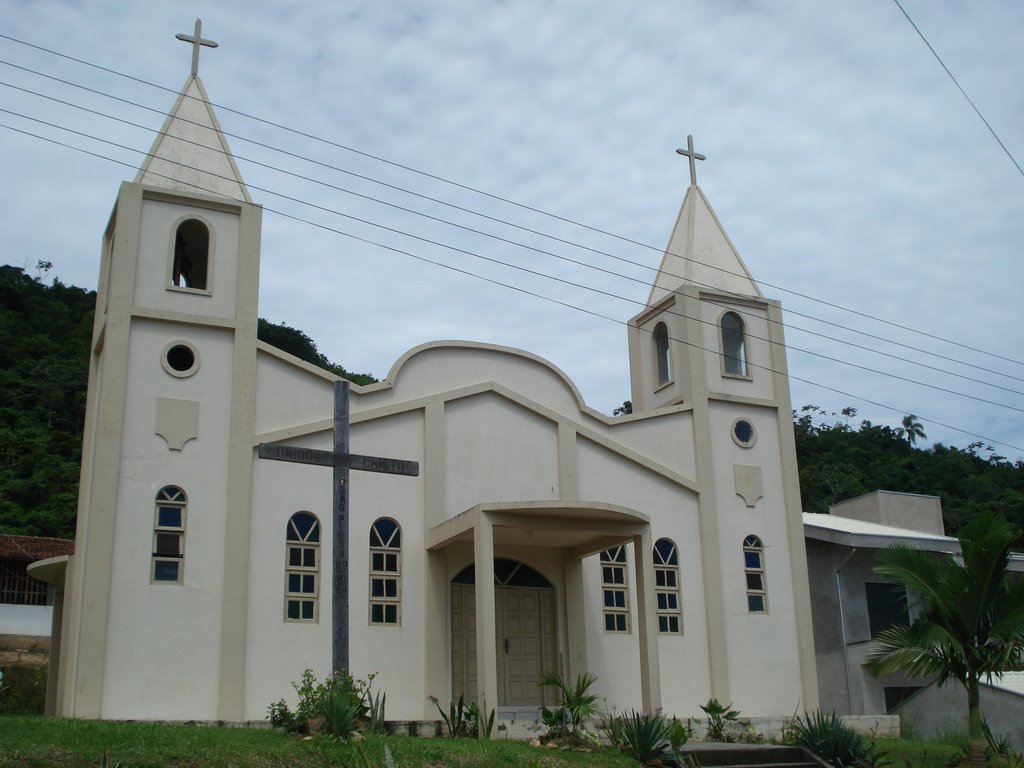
pixel 851 604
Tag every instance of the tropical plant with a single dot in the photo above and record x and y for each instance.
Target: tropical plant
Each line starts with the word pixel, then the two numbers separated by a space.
pixel 650 739
pixel 720 717
pixel 911 429
pixel 970 620
pixel 833 741
pixel 463 721
pixel 576 703
pixel 340 704
pixel 477 725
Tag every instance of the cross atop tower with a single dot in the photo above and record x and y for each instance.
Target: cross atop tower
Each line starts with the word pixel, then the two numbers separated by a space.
pixel 688 152
pixel 196 38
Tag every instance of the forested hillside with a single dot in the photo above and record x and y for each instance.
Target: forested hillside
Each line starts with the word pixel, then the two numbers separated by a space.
pixel 44 357
pixel 839 461
pixel 44 369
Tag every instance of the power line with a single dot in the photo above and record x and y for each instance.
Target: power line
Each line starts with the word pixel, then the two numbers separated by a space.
pixel 960 88
pixel 577 262
pixel 527 270
pixel 472 274
pixel 499 198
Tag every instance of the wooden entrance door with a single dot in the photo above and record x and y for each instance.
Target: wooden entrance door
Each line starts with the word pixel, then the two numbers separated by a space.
pixel 525 642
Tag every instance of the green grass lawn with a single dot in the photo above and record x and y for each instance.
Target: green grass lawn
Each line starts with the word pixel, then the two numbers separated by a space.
pixel 36 742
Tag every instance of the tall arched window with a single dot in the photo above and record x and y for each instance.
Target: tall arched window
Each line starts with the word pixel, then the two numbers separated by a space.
pixel 753 566
pixel 302 572
pixel 615 590
pixel 734 350
pixel 385 572
pixel 191 265
pixel 666 587
pixel 661 353
pixel 169 536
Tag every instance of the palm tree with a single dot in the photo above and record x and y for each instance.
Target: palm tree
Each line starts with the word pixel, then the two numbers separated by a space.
pixel 912 429
pixel 971 619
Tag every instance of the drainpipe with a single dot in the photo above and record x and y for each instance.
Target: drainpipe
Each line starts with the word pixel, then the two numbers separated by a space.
pixel 842 630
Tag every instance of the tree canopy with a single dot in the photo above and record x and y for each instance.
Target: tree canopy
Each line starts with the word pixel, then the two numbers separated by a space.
pixel 970 620
pixel 45 332
pixel 838 461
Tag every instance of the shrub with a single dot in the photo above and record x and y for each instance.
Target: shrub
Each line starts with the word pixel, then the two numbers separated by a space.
pixel 834 741
pixel 649 739
pixel 464 720
pixel 339 705
pixel 720 717
pixel 576 704
pixel 23 690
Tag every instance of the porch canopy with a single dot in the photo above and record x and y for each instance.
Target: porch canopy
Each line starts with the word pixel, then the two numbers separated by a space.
pixel 581 528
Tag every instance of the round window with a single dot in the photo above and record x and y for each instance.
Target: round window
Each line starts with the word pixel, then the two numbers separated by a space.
pixel 743 433
pixel 180 359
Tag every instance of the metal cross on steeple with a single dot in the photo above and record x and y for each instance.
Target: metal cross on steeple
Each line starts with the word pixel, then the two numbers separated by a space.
pixel 197 40
pixel 688 152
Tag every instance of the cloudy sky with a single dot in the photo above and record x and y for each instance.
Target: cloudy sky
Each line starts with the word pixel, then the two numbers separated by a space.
pixel 490 137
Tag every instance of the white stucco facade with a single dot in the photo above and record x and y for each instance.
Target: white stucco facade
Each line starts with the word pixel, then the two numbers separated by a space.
pixel 515 471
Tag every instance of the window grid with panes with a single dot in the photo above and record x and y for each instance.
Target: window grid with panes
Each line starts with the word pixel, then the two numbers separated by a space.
pixel 666 587
pixel 302 572
pixel 614 588
pixel 385 572
pixel 169 536
pixel 753 566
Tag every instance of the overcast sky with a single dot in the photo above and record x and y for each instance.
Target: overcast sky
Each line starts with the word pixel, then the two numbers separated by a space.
pixel 843 162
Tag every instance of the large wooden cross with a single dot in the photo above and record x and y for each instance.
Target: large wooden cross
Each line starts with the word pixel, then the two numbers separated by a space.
pixel 342 461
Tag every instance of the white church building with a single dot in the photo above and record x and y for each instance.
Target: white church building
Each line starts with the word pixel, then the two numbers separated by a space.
pixel 661 551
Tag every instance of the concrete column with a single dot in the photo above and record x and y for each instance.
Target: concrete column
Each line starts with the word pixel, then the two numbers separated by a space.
pixel 647 621
pixel 575 621
pixel 486 662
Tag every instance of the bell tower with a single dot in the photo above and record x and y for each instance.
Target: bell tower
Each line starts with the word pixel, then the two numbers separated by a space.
pixel 171 396
pixel 710 344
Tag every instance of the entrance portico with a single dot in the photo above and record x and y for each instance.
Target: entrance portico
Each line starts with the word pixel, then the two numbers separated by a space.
pixel 578 529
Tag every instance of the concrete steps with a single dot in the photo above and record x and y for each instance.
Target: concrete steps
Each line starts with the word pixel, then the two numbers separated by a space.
pixel 715 755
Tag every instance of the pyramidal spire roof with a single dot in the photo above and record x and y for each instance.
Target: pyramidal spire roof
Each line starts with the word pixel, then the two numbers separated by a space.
pixel 191 153
pixel 699 252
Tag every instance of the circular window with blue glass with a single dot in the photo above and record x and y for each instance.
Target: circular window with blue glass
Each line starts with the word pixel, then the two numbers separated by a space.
pixel 743 433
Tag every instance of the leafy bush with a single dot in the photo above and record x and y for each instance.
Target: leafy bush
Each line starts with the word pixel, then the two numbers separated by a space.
pixel 649 739
pixel 464 720
pixel 576 704
pixel 23 690
pixel 834 741
pixel 720 717
pixel 339 705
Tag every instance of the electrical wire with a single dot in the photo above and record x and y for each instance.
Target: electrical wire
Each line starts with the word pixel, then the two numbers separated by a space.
pixel 483 193
pixel 577 262
pixel 960 88
pixel 470 273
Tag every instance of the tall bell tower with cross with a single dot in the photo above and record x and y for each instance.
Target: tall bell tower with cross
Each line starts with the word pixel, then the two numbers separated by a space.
pixel 171 400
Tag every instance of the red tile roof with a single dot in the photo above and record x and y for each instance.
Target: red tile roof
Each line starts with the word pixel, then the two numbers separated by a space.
pixel 33 548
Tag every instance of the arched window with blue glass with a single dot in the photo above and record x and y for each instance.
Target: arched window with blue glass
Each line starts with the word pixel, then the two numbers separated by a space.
pixel 386 572
pixel 302 572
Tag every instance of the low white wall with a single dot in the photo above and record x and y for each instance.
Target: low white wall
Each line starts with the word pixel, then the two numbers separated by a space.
pixel 30 620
